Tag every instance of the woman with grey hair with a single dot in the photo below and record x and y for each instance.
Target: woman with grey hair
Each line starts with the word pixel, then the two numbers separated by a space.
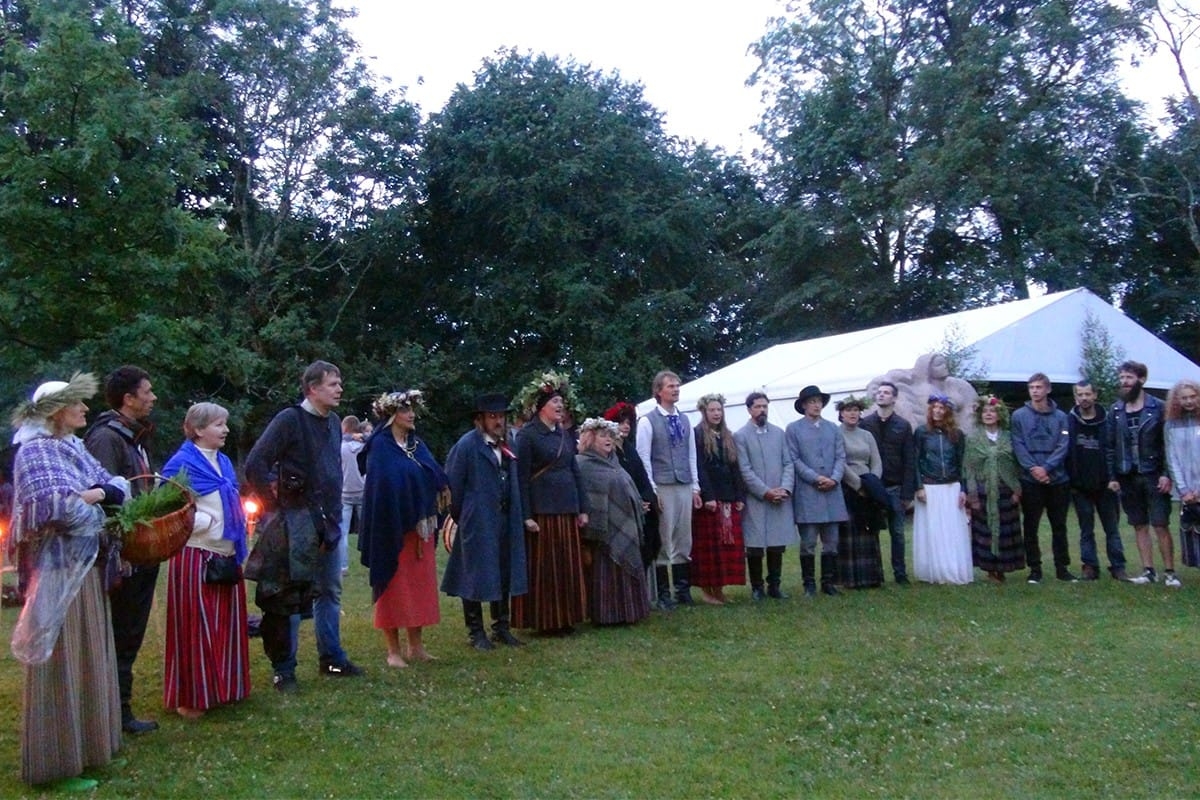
pixel 206 662
pixel 617 590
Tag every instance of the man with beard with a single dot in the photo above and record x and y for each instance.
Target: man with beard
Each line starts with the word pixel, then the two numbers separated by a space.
pixel 487 559
pixel 768 473
pixel 1138 454
pixel 894 436
pixel 1087 467
pixel 118 440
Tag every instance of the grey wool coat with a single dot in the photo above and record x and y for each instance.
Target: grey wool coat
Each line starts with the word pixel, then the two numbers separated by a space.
pixel 487 561
pixel 817 449
pixel 764 462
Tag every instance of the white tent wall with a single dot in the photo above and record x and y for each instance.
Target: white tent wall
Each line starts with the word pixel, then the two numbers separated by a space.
pixel 1011 341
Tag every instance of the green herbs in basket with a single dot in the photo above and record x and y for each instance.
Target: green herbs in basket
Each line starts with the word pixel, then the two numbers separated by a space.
pixel 166 498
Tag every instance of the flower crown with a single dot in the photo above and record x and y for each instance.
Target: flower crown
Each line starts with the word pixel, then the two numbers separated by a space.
pixel 598 424
pixel 54 396
pixel 389 403
pixel 546 384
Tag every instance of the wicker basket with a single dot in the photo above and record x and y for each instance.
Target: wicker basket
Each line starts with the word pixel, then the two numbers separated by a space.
pixel 153 542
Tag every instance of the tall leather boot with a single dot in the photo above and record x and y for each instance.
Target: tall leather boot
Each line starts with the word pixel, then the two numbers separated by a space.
pixel 663 578
pixel 754 565
pixel 476 635
pixel 829 574
pixel 683 584
pixel 500 630
pixel 808 569
pixel 775 573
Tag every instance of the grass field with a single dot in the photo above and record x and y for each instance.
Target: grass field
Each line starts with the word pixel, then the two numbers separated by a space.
pixel 1058 690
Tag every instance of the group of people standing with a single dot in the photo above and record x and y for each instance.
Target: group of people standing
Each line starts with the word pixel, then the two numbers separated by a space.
pixel 548 523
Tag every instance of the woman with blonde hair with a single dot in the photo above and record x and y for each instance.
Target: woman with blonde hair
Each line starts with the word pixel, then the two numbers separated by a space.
pixel 1182 432
pixel 718 546
pixel 206 662
pixel 71 711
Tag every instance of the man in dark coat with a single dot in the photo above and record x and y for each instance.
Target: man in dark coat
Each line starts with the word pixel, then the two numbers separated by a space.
pixel 118 440
pixel 487 559
pixel 295 468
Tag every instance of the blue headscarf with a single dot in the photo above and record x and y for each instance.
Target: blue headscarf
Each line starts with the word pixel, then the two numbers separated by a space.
pixel 206 480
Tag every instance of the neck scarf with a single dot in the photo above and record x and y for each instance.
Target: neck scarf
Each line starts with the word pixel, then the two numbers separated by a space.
pixel 206 480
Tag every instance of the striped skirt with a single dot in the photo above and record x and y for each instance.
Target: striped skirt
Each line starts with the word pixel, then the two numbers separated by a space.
pixel 557 595
pixel 207 661
pixel 1002 550
pixel 1189 535
pixel 615 596
pixel 71 718
pixel 718 549
pixel 859 562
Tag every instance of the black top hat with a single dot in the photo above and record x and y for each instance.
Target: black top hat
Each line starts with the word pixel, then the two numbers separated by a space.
pixel 808 392
pixel 493 402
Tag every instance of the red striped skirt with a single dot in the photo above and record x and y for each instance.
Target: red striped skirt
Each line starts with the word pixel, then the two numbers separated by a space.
pixel 718 558
pixel 411 597
pixel 207 653
pixel 557 597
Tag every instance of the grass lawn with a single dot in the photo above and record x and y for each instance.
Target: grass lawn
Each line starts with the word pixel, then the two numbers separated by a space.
pixel 1082 690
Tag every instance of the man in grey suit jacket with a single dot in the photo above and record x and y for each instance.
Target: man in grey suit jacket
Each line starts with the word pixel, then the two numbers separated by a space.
pixel 768 524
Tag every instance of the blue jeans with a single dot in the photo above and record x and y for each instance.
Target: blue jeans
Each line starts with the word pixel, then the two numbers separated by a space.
pixel 344 542
pixel 1088 503
pixel 895 518
pixel 281 634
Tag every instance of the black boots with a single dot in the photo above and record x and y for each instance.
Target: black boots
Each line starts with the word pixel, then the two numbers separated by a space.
pixel 829 574
pixel 775 573
pixel 476 635
pixel 683 586
pixel 808 569
pixel 500 630
pixel 663 578
pixel 754 565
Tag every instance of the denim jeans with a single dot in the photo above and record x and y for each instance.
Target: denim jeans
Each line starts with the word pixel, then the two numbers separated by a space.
pixel 327 609
pixel 1088 503
pixel 895 518
pixel 281 633
pixel 344 542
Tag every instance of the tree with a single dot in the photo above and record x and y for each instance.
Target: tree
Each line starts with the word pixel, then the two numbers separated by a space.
pixel 563 229
pixel 97 262
pixel 932 156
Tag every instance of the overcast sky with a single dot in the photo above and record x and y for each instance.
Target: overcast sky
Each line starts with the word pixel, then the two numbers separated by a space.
pixel 690 56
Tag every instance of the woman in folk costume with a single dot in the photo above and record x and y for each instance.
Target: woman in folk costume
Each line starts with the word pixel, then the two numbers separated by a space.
pixel 625 415
pixel 860 564
pixel 993 480
pixel 941 536
pixel 207 662
pixel 552 505
pixel 718 549
pixel 617 589
pixel 405 490
pixel 71 712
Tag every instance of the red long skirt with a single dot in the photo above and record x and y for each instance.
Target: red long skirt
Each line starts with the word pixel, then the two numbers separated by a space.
pixel 557 596
pixel 207 651
pixel 411 597
pixel 718 555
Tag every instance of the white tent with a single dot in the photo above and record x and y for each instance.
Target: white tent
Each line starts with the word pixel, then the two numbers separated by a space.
pixel 1011 341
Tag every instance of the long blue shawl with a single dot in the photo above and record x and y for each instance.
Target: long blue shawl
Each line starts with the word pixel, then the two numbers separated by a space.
pixel 205 480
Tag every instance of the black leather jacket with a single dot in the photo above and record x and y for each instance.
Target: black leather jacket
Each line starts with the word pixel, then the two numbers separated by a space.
pixel 1148 457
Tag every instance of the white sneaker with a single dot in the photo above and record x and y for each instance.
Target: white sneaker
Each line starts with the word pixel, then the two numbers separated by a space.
pixel 1146 577
pixel 1172 580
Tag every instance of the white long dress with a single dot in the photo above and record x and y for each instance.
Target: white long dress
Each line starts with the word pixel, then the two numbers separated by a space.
pixel 941 537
